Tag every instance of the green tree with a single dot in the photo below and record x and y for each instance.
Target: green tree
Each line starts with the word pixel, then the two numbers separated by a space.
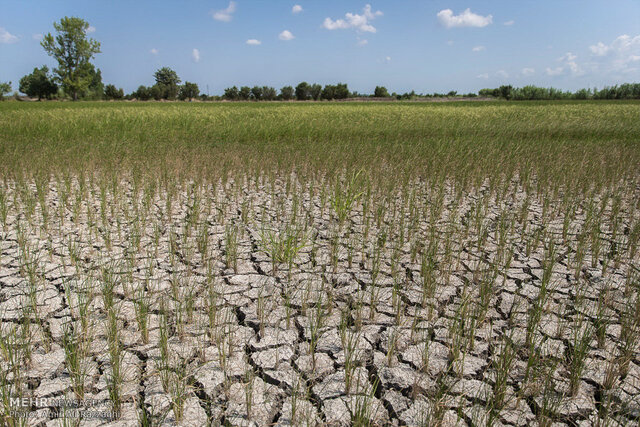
pixel 143 93
pixel 73 51
pixel 189 91
pixel 95 89
pixel 315 90
pixel 269 93
pixel 256 93
pixel 342 91
pixel 4 89
pixel 286 93
pixel 505 91
pixel 380 92
pixel 39 83
pixel 111 92
pixel 329 92
pixel 231 93
pixel 167 82
pixel 244 93
pixel 303 91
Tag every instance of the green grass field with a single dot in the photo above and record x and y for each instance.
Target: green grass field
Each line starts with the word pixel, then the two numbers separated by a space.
pixel 563 140
pixel 323 263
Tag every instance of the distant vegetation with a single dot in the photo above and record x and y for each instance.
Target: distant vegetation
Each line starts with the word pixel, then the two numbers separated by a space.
pixel 77 78
pixel 530 93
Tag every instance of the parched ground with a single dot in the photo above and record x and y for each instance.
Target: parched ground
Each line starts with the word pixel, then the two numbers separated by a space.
pixel 289 302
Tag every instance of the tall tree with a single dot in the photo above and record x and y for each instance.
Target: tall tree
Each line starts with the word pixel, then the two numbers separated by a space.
pixel 39 83
pixel 73 51
pixel 167 82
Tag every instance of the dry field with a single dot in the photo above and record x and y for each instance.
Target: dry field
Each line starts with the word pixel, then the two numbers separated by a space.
pixel 320 264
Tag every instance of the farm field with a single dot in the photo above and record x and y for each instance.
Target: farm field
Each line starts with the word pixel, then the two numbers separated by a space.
pixel 322 263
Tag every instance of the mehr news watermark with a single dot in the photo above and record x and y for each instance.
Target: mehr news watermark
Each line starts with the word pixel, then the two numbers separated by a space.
pixel 54 407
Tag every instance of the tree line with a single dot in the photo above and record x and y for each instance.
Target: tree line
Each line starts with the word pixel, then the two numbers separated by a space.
pixel 76 77
pixel 531 93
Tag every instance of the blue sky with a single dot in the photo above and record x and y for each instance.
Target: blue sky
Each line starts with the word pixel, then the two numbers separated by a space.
pixel 422 45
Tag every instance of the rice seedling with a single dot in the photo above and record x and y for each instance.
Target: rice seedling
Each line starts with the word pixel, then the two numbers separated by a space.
pixel 429 244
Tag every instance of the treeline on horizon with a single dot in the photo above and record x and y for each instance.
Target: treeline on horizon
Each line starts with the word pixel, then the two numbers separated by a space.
pixel 78 79
pixel 40 84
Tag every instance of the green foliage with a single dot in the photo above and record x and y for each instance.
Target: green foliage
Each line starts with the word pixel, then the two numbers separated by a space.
pixel 269 93
pixel 535 93
pixel 244 93
pixel 5 88
pixel 315 90
pixel 73 51
pixel 95 89
pixel 339 91
pixel 143 93
pixel 381 92
pixel 167 82
pixel 189 91
pixel 111 92
pixel 231 93
pixel 286 93
pixel 256 93
pixel 303 91
pixel 39 83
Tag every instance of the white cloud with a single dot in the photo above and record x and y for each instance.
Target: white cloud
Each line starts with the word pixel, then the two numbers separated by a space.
pixel 362 42
pixel 353 20
pixel 37 36
pixel 528 71
pixel 482 76
pixel 296 8
pixel 7 37
pixel 450 42
pixel 195 54
pixel 509 23
pixel 387 59
pixel 286 35
pixel 555 71
pixel 599 49
pixel 465 19
pixel 254 42
pixel 502 73
pixel 154 51
pixel 616 56
pixel 622 44
pixel 569 63
pixel 569 57
pixel 225 15
pixel 478 49
pixel 91 29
